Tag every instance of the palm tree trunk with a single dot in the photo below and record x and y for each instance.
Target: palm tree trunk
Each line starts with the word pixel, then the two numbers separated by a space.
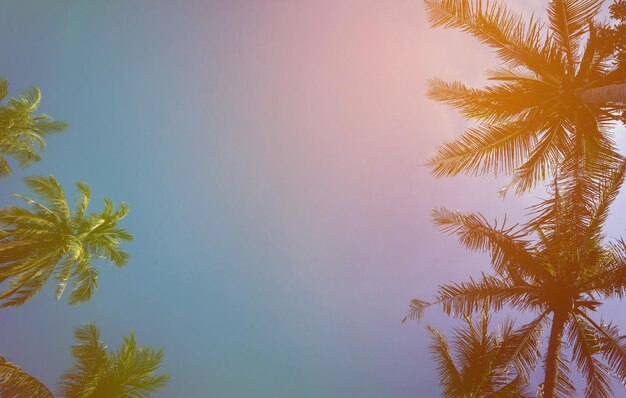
pixel 554 354
pixel 613 93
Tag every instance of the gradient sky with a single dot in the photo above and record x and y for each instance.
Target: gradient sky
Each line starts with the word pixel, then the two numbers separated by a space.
pixel 270 152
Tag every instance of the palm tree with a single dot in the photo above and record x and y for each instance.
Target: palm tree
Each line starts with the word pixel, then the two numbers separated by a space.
pixel 49 239
pixel 481 369
pixel 129 372
pixel 22 134
pixel 557 264
pixel 556 93
pixel 15 383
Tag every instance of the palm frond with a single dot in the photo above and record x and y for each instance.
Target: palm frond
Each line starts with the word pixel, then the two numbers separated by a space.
pixel 25 286
pixel 522 346
pixel 82 202
pixel 585 345
pixel 607 190
pixel 449 377
pixel 84 283
pixel 90 362
pixel 16 383
pixel 516 388
pixel 569 20
pixel 49 189
pixel 504 102
pixel 465 298
pixel 612 346
pixel 416 310
pixel 133 369
pixel 546 154
pixel 509 252
pixel 21 132
pixel 27 101
pixel 485 149
pixel 564 384
pixel 591 56
pixel 4 88
pixel 516 42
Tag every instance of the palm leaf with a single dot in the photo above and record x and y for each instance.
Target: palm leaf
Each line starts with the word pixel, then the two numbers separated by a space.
pixel 585 345
pixel 50 190
pixel 509 252
pixel 515 41
pixel 569 20
pixel 496 149
pixel 612 346
pixel 15 383
pixel 449 376
pixel 522 345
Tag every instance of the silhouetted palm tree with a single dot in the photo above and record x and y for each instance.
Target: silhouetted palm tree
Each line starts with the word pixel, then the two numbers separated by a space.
pixel 481 369
pixel 556 93
pixel 52 240
pixel 22 134
pixel 129 372
pixel 556 264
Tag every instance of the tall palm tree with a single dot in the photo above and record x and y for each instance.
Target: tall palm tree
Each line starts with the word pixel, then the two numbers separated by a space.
pixel 128 372
pixel 49 239
pixel 558 266
pixel 555 96
pixel 15 383
pixel 22 133
pixel 481 370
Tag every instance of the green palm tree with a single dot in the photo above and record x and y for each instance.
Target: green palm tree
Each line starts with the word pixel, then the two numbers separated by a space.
pixel 554 97
pixel 49 239
pixel 15 383
pixel 22 134
pixel 481 370
pixel 129 372
pixel 557 266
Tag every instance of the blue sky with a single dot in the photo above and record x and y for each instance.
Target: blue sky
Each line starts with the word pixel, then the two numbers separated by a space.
pixel 269 152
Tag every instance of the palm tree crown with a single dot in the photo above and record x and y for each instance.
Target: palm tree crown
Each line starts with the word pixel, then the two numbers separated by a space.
pixel 22 134
pixel 481 368
pixel 129 372
pixel 556 264
pixel 538 112
pixel 49 239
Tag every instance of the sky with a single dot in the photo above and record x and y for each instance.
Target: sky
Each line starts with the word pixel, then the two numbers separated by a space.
pixel 271 154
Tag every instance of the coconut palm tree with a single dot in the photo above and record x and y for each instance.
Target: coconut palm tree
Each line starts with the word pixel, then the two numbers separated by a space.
pixel 128 372
pixel 49 239
pixel 15 383
pixel 480 370
pixel 22 134
pixel 559 267
pixel 554 97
